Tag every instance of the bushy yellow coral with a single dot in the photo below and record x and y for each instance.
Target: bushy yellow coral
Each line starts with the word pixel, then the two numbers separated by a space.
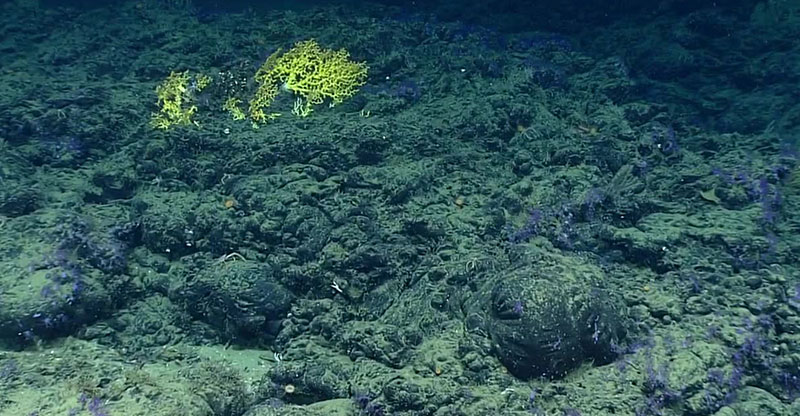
pixel 313 73
pixel 176 96
pixel 232 106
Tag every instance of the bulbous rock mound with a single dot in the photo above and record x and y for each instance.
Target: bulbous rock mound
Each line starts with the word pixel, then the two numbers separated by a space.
pixel 550 315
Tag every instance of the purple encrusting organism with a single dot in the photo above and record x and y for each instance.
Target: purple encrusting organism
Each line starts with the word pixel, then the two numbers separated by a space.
pixel 754 359
pixel 565 224
pixel 531 228
pixel 670 144
pixel 60 148
pixel 95 406
pixel 665 141
pixel 368 405
pixel 594 197
pixel 408 90
pixel 107 254
pixel 794 300
pixel 8 370
pixel 695 282
pixel 518 308
pixel 66 278
pixel 763 186
pixel 532 407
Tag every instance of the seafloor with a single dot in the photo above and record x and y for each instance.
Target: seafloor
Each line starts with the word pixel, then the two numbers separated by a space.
pixel 587 212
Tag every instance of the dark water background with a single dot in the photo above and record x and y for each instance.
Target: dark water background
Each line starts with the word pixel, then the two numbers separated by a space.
pixel 513 208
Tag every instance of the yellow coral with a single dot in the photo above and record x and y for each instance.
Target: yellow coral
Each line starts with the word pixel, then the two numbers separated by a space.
pixel 176 96
pixel 232 106
pixel 313 73
pixel 202 81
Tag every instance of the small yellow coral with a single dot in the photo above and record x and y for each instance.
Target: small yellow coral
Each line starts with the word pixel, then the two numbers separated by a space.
pixel 313 73
pixel 176 96
pixel 232 106
pixel 202 81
